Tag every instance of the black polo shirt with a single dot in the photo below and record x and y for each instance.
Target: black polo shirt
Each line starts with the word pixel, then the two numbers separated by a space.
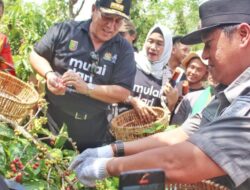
pixel 147 88
pixel 67 46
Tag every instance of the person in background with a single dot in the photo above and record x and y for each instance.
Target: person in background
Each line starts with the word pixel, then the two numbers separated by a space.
pixel 193 103
pixel 148 79
pixel 196 72
pixel 211 144
pixel 87 66
pixel 128 31
pixel 6 60
pixel 179 52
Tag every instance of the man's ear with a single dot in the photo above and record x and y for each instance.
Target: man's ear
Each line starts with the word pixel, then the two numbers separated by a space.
pixel 93 8
pixel 173 50
pixel 244 32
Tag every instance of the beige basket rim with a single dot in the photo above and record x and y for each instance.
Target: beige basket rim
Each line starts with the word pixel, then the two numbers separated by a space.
pixel 128 126
pixel 202 185
pixel 132 110
pixel 35 93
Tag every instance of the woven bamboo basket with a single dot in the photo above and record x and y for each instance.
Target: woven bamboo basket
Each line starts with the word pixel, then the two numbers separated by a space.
pixel 127 126
pixel 203 185
pixel 17 98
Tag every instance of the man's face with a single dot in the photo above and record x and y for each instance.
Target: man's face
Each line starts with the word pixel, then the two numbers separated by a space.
pixel 221 53
pixel 196 71
pixel 105 26
pixel 181 51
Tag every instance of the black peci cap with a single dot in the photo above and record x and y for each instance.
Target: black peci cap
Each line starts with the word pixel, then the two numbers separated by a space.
pixel 117 7
pixel 214 13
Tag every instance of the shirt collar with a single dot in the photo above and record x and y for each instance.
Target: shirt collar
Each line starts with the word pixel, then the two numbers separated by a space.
pixel 85 25
pixel 235 88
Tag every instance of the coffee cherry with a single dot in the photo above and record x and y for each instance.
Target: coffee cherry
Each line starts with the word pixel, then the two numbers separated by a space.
pixel 19 177
pixel 36 165
pixel 20 165
pixel 68 188
pixel 16 160
pixel 52 142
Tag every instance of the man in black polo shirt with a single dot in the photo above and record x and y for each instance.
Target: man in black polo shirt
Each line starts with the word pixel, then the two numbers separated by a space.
pixel 87 65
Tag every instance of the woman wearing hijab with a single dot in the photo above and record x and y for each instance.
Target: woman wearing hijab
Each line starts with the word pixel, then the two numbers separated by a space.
pixel 148 80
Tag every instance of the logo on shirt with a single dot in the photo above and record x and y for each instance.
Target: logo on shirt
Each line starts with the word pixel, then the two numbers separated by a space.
pixel 107 56
pixel 73 45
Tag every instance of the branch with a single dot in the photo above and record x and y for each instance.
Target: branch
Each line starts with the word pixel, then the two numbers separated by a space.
pixel 37 142
pixel 71 6
pixel 78 11
pixel 19 128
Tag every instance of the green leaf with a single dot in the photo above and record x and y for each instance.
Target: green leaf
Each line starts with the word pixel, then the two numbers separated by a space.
pixel 6 132
pixel 39 185
pixel 69 153
pixel 109 183
pixel 56 154
pixel 155 128
pixel 15 150
pixel 3 159
pixel 62 137
pixel 171 127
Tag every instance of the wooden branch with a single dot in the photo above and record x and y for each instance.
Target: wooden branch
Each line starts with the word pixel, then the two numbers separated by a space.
pixel 37 142
pixel 78 11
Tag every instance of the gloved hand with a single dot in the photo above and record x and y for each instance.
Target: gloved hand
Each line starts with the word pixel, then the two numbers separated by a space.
pixel 92 169
pixel 100 152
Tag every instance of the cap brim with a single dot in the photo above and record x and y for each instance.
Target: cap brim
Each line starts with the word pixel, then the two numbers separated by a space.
pixel 195 37
pixel 192 55
pixel 114 12
pixel 187 59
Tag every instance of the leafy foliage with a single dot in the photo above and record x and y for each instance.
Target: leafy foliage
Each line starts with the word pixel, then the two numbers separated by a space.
pixel 25 24
pixel 35 165
pixel 25 158
pixel 180 16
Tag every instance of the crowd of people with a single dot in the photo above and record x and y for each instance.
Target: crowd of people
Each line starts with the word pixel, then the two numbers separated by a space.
pixel 93 66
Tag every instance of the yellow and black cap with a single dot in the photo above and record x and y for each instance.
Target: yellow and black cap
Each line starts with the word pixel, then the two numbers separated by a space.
pixel 116 7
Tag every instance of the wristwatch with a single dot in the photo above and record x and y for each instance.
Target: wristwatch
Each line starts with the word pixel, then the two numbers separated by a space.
pixel 118 148
pixel 90 88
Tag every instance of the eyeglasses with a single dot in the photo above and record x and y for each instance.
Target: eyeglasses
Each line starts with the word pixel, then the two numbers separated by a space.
pixel 94 58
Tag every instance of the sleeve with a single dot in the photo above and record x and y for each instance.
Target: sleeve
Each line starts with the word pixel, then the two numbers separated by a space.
pixel 226 140
pixel 192 124
pixel 6 55
pixel 182 112
pixel 125 69
pixel 46 46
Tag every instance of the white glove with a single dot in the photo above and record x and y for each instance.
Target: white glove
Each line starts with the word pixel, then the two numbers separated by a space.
pixel 92 169
pixel 100 152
